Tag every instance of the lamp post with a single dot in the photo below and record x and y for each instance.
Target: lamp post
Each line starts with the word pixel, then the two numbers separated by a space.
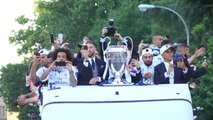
pixel 144 7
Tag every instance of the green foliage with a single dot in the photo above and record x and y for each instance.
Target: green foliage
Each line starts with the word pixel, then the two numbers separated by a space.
pixel 22 20
pixel 205 115
pixel 203 94
pixel 12 83
pixel 25 112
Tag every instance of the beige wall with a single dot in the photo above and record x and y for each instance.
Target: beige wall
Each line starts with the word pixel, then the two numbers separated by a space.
pixel 12 116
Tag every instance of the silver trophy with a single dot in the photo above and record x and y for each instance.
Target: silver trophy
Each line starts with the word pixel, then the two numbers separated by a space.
pixel 117 58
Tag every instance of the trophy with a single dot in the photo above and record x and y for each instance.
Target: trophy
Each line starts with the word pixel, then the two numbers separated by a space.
pixel 117 58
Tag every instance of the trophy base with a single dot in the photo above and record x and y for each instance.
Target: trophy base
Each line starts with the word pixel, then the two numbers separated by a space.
pixel 118 82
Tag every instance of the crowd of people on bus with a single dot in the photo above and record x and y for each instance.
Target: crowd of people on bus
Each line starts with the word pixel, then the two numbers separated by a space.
pixel 159 62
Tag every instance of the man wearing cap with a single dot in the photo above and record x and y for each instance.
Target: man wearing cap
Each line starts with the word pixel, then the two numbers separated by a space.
pixel 158 59
pixel 169 71
pixel 34 77
pixel 147 68
pixel 42 60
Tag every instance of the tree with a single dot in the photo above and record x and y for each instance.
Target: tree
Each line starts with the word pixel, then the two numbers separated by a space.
pixel 12 83
pixel 199 17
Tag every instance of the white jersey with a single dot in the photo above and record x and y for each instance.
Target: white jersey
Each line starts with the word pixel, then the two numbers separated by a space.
pixel 157 60
pixel 40 71
pixel 60 77
pixel 155 50
pixel 145 69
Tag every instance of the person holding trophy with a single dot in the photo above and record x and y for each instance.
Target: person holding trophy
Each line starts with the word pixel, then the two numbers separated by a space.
pixel 118 59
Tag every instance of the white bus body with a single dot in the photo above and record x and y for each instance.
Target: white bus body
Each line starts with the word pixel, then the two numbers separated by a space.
pixel 157 102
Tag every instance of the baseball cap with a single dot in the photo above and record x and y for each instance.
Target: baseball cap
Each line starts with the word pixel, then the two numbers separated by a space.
pixel 43 52
pixel 146 50
pixel 165 47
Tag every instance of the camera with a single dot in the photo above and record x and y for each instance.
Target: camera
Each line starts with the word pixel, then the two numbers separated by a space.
pixel 111 30
pixel 60 63
pixel 84 47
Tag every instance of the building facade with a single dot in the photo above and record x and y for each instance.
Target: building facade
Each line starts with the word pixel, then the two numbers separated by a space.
pixel 3 112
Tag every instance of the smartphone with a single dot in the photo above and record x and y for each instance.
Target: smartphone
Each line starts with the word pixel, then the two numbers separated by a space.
pixel 52 37
pixel 60 63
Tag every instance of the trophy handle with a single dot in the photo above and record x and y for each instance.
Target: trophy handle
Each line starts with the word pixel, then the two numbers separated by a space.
pixel 129 54
pixel 131 41
pixel 104 51
pixel 106 38
pixel 104 56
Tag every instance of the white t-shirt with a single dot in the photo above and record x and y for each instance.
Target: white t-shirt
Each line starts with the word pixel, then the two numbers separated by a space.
pixel 155 50
pixel 145 69
pixel 157 60
pixel 60 77
pixel 171 75
pixel 40 71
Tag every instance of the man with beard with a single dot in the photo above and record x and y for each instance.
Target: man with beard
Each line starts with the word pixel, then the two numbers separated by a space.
pixel 90 67
pixel 147 68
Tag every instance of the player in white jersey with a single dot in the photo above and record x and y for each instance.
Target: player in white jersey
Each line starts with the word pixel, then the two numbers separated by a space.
pixel 147 66
pixel 44 59
pixel 60 72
